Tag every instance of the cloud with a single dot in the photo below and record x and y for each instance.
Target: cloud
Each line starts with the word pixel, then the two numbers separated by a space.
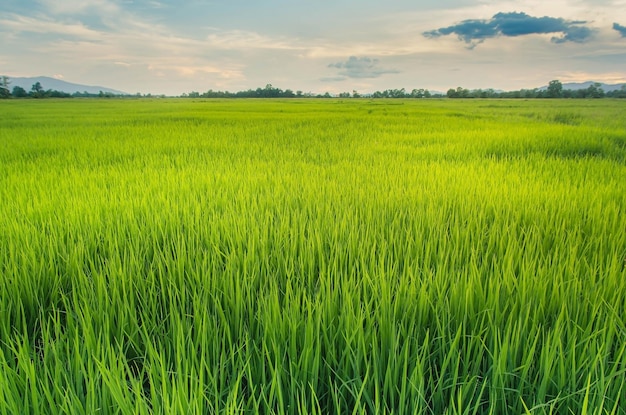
pixel 20 24
pixel 241 39
pixel 360 68
pixel 333 79
pixel 621 29
pixel 74 7
pixel 515 24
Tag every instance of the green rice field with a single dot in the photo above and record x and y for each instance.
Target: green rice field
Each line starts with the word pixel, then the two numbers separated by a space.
pixel 312 256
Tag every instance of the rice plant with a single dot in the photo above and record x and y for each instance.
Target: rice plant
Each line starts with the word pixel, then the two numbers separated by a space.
pixel 314 257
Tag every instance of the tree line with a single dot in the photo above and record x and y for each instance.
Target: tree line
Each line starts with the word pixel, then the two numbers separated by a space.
pixel 554 90
pixel 38 91
pixel 272 92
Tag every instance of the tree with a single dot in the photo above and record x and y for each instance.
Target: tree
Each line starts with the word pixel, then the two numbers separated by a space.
pixel 555 89
pixel 19 92
pixel 4 87
pixel 460 92
pixel 53 93
pixel 595 90
pixel 417 93
pixel 37 90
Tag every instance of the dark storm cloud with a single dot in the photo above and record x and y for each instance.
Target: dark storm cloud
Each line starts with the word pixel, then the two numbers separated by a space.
pixel 360 68
pixel 515 24
pixel 621 29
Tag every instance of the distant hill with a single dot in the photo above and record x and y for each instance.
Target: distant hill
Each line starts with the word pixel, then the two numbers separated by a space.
pixel 584 85
pixel 59 85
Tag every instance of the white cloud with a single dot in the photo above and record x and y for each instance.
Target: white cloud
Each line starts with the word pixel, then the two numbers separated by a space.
pixel 17 23
pixel 75 7
pixel 583 76
pixel 241 39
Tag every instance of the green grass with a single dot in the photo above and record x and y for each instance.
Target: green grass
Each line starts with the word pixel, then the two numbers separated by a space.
pixel 319 257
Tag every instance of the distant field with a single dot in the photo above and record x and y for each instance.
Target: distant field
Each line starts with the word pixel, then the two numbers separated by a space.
pixel 313 256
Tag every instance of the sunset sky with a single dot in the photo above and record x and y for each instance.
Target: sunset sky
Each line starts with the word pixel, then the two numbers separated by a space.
pixel 171 47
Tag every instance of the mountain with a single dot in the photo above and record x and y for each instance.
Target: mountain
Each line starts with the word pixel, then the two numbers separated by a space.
pixel 574 86
pixel 59 85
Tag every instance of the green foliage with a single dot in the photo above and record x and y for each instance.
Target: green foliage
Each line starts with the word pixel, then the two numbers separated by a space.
pixel 37 90
pixel 19 92
pixel 4 87
pixel 555 89
pixel 414 257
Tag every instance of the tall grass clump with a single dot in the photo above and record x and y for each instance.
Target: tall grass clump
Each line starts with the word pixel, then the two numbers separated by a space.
pixel 317 257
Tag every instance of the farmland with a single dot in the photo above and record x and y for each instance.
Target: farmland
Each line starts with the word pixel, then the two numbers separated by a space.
pixel 313 256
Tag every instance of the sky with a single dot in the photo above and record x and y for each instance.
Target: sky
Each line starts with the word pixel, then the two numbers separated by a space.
pixel 173 46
